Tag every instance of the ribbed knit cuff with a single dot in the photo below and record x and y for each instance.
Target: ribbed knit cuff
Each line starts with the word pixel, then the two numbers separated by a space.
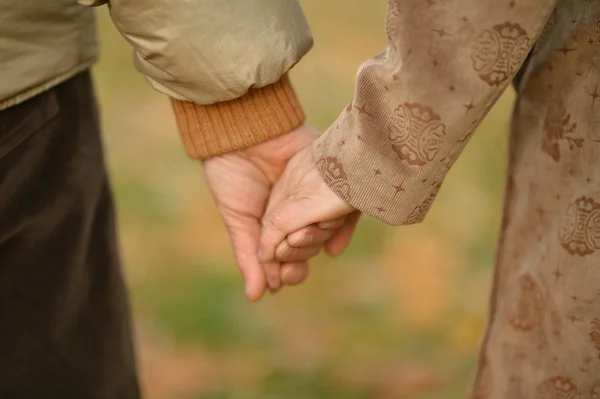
pixel 258 116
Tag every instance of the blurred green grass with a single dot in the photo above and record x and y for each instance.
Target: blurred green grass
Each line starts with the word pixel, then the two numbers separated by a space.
pixel 399 315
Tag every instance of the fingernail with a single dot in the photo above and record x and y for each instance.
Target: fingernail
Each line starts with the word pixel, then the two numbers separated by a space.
pixel 287 252
pixel 307 239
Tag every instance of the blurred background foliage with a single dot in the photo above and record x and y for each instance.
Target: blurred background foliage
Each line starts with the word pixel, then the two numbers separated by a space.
pixel 399 315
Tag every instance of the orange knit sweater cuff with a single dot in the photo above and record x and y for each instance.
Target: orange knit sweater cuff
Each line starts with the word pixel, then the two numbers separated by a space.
pixel 259 115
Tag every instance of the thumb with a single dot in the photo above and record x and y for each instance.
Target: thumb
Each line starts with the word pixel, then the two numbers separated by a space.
pixel 244 234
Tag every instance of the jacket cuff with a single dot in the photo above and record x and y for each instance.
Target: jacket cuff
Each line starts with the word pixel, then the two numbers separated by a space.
pixel 260 115
pixel 370 179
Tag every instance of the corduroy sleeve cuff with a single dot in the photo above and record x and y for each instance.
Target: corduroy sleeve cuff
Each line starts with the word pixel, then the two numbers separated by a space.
pixel 260 115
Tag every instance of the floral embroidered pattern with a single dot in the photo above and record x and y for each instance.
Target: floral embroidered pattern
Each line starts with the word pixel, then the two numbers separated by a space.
pixel 392 22
pixel 528 309
pixel 419 212
pixel 416 133
pixel 498 52
pixel 557 126
pixel 595 391
pixel 580 229
pixel 335 177
pixel 560 387
pixel 595 334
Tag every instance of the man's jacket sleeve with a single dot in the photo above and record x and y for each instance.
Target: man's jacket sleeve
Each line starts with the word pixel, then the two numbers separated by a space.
pixel 223 62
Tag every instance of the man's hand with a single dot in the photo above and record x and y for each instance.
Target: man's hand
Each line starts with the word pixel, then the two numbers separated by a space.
pixel 241 183
pixel 303 212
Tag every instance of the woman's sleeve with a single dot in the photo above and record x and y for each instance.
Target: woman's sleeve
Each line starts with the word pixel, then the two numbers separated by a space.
pixel 417 103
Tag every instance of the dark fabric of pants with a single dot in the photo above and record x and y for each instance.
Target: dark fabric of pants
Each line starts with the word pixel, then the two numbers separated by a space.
pixel 64 319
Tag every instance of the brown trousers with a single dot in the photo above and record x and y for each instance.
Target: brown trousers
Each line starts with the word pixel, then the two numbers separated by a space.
pixel 64 319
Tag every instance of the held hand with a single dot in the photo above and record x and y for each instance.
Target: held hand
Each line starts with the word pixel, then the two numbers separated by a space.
pixel 241 183
pixel 303 213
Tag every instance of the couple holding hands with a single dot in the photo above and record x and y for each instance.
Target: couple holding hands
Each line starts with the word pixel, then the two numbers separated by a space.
pixel 285 192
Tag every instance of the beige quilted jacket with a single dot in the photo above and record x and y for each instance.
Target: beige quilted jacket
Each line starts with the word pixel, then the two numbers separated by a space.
pixel 199 53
